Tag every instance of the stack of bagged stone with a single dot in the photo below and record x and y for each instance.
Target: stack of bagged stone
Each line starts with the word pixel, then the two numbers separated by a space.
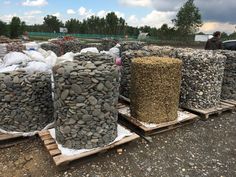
pixel 25 101
pixel 15 47
pixel 3 50
pixel 71 46
pixel 229 81
pixel 4 39
pixel 177 52
pixel 131 46
pixel 86 95
pixel 108 43
pixel 155 85
pixel 53 47
pixel 160 51
pixel 202 77
pixel 127 58
pixel 99 46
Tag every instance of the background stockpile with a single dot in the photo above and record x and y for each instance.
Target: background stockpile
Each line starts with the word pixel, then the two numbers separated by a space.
pixel 86 95
pixel 26 101
pixel 155 85
pixel 229 81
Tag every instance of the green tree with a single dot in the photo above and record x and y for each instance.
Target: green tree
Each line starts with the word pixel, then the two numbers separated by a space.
pixel 102 26
pixel 15 27
pixel 132 31
pixel 83 27
pixel 111 23
pixel 3 28
pixel 232 35
pixel 52 23
pixel 121 28
pixel 93 25
pixel 224 35
pixel 167 33
pixel 73 25
pixel 188 19
pixel 22 27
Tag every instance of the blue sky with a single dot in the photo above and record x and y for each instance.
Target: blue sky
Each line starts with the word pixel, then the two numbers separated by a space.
pixel 11 6
pixel 216 14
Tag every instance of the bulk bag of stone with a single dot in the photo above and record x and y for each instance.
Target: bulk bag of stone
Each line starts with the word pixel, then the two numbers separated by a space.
pixel 13 58
pixel 25 101
pixel 155 89
pixel 99 46
pixel 53 47
pixel 71 46
pixel 126 58
pixel 160 51
pixel 131 46
pixel 3 50
pixel 86 96
pixel 15 47
pixel 202 77
pixel 229 81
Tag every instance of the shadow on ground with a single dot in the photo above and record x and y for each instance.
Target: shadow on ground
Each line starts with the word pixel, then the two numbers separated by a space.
pixel 203 149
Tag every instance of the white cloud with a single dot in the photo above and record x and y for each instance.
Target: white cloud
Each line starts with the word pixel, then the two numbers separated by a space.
pixel 210 27
pixel 85 13
pixel 70 11
pixel 29 19
pixel 153 19
pixel 82 11
pixel 57 14
pixel 35 3
pixel 33 12
pixel 101 13
pixel 133 20
pixel 7 18
pixel 120 14
pixel 7 2
pixel 140 3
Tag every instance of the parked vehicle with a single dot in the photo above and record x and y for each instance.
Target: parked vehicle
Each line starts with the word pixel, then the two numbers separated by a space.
pixel 229 45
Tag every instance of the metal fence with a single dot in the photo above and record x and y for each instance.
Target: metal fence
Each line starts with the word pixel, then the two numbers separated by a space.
pixel 88 36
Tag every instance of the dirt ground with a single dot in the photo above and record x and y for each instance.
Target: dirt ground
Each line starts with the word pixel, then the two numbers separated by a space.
pixel 203 149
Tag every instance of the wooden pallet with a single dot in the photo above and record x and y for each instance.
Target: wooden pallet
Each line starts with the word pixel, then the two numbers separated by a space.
pixel 205 113
pixel 143 129
pixel 124 99
pixel 4 136
pixel 60 159
pixel 229 101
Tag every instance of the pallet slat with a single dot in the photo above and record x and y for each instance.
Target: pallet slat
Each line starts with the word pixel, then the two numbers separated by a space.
pixel 55 152
pixel 46 137
pixel 4 136
pixel 43 133
pixel 50 141
pixel 205 113
pixel 230 101
pixel 51 147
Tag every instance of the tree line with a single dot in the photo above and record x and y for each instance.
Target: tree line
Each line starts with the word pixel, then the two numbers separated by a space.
pixel 186 24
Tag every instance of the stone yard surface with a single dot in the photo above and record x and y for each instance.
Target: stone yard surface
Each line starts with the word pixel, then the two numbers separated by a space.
pixel 203 149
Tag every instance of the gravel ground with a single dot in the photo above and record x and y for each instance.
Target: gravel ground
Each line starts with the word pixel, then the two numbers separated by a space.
pixel 205 148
